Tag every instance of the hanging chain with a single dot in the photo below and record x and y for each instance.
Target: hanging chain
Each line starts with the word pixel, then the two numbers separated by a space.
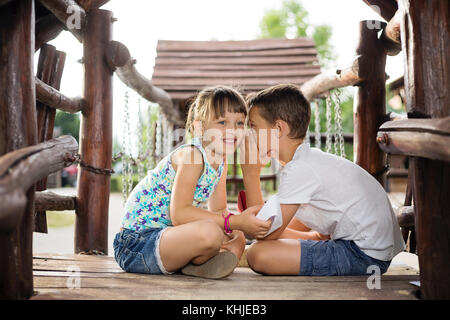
pixel 125 163
pixel 328 143
pixel 141 151
pixel 150 158
pixel 339 135
pixel 317 124
pixel 129 157
pixel 158 150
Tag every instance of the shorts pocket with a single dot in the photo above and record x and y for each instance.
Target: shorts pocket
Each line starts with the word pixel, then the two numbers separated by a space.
pixel 131 261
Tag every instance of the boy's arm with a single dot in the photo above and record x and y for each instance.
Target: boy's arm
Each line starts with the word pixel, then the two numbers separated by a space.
pixel 288 211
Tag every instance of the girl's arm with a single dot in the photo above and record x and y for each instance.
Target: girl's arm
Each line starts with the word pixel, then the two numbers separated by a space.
pixel 181 209
pixel 218 201
pixel 188 172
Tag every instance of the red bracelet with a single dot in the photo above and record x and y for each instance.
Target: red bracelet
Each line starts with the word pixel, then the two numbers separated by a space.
pixel 226 223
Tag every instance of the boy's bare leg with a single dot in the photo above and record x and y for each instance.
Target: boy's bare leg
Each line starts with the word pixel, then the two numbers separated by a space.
pixel 275 257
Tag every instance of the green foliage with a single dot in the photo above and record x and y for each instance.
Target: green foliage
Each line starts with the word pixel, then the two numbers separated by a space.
pixel 69 123
pixel 291 20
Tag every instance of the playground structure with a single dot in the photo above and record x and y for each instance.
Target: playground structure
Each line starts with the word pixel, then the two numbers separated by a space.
pixel 418 29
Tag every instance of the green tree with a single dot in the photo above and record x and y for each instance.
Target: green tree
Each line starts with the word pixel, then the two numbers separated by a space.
pixel 291 20
pixel 69 123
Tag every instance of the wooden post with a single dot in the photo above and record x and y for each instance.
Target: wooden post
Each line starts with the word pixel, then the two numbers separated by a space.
pixel 370 100
pixel 425 46
pixel 50 69
pixel 17 130
pixel 91 228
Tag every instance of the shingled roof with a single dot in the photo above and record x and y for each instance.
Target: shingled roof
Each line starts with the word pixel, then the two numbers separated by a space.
pixel 182 68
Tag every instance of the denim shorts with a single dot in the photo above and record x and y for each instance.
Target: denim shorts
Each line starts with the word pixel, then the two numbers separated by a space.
pixel 138 251
pixel 336 258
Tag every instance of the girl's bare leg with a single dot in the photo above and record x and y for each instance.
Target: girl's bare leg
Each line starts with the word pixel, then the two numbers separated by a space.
pixel 194 242
pixel 275 257
pixel 235 245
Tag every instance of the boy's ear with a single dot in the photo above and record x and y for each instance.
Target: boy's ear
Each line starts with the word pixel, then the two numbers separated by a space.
pixel 282 127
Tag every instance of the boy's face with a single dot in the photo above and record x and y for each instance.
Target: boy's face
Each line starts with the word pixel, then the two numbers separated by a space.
pixel 266 135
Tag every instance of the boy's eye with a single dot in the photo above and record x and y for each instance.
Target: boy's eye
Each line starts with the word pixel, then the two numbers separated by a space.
pixel 240 123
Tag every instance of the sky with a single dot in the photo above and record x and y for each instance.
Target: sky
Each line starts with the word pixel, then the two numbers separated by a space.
pixel 141 23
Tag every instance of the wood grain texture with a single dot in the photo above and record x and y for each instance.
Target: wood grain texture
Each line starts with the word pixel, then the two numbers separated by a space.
pixel 17 130
pixel 101 278
pixel 370 101
pixel 425 41
pixel 91 224
pixel 183 68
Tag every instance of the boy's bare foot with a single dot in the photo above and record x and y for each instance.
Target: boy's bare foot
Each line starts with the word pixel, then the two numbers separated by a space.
pixel 219 266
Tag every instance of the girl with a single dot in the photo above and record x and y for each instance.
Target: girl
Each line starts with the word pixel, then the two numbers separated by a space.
pixel 164 228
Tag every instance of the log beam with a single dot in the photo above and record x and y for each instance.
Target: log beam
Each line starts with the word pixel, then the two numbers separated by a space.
pixel 391 35
pixel 47 29
pixel 52 201
pixel 324 82
pixel 370 100
pixel 21 169
pixel 55 99
pixel 91 4
pixel 17 130
pixel 120 61
pixel 91 224
pixel 70 14
pixel 385 8
pixel 397 137
pixel 405 216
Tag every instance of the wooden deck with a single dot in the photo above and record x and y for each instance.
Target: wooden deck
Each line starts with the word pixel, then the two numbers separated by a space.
pixel 101 278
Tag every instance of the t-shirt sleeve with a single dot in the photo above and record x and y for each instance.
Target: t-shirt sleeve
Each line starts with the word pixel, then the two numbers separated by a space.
pixel 298 184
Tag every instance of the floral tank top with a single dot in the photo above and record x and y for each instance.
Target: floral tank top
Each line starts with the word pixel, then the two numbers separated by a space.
pixel 148 204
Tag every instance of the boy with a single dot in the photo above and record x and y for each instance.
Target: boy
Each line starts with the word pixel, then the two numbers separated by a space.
pixel 337 219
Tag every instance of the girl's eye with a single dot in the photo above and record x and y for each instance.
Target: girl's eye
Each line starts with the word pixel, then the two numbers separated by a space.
pixel 221 122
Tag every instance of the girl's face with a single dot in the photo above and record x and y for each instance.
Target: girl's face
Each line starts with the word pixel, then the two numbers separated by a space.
pixel 224 134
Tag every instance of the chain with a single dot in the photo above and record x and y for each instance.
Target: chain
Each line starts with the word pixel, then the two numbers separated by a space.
pixel 328 123
pixel 339 135
pixel 69 159
pixel 140 164
pixel 317 124
pixel 150 161
pixel 125 163
pixel 158 151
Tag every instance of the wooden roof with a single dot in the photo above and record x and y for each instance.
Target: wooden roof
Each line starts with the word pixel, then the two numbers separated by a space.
pixel 183 68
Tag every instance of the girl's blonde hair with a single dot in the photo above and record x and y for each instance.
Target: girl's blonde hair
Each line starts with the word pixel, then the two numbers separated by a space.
pixel 212 103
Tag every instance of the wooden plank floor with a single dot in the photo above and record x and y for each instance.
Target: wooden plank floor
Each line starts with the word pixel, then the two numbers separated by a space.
pixel 101 278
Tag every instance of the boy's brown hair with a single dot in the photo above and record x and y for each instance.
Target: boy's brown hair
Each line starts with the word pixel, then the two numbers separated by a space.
pixel 283 102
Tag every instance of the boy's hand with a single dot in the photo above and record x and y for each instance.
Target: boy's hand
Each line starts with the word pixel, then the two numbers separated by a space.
pixel 249 224
pixel 249 156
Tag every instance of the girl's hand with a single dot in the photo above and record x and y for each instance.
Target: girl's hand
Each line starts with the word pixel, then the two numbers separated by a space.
pixel 249 224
